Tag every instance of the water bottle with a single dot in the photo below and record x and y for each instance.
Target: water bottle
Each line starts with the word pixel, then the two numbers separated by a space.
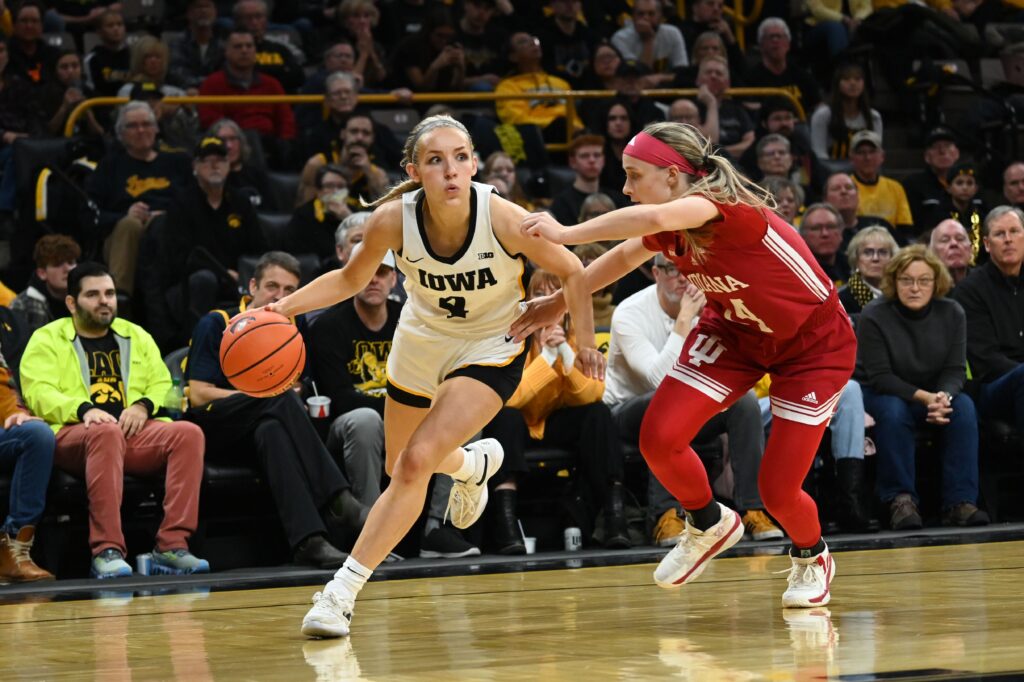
pixel 173 400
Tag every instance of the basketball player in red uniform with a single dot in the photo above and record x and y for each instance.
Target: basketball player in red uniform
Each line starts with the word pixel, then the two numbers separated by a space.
pixel 770 310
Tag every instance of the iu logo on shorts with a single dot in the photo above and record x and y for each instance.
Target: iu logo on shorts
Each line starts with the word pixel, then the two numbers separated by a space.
pixel 705 349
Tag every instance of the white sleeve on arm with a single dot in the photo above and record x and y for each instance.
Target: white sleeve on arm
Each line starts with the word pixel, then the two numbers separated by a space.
pixel 633 334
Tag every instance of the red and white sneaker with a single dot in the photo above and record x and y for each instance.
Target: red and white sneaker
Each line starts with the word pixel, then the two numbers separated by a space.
pixel 696 548
pixel 809 581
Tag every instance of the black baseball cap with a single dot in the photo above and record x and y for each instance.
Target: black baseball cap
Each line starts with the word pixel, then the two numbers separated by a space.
pixel 939 134
pixel 211 145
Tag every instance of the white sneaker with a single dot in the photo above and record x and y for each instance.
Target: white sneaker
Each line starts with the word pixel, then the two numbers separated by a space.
pixel 467 499
pixel 695 548
pixel 809 581
pixel 330 616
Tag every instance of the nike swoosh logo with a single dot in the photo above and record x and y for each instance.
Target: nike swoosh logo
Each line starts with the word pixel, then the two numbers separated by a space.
pixel 410 260
pixel 483 476
pixel 508 339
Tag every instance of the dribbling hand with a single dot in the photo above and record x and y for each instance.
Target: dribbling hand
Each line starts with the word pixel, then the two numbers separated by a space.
pixel 542 311
pixel 542 225
pixel 591 362
pixel 277 307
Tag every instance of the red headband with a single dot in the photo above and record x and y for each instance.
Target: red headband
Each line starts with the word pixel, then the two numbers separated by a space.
pixel 652 150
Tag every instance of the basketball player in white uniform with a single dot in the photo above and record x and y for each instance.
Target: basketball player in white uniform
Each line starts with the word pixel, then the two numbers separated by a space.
pixel 452 363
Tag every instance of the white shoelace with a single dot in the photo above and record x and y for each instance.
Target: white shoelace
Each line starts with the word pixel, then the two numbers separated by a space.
pixel 20 550
pixel 332 602
pixel 458 503
pixel 805 575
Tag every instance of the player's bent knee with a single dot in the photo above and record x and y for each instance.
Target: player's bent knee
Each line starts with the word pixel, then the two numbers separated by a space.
pixel 414 464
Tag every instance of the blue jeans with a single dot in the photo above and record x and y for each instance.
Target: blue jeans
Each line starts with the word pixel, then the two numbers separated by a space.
pixel 1003 399
pixel 28 449
pixel 895 423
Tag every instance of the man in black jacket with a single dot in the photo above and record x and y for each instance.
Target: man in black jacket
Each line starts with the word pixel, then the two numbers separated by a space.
pixel 991 297
pixel 208 229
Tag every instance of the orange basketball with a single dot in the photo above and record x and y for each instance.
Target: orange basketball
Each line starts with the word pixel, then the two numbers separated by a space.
pixel 262 353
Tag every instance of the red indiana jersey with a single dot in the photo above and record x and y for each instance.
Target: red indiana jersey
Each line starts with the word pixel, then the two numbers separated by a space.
pixel 757 272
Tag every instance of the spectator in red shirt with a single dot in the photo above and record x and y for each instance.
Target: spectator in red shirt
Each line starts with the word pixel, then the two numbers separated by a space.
pixel 274 122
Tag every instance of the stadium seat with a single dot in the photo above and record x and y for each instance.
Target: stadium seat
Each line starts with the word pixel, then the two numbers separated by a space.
pixel 284 188
pixel 400 121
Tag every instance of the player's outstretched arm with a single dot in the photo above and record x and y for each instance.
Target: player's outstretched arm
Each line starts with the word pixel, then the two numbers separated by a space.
pixel 383 232
pixel 567 267
pixel 608 268
pixel 686 213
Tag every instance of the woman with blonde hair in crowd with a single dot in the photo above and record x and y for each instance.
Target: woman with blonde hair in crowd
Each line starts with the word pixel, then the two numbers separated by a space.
pixel 869 252
pixel 147 81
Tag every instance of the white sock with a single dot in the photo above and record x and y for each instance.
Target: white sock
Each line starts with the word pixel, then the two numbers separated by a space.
pixel 468 468
pixel 349 578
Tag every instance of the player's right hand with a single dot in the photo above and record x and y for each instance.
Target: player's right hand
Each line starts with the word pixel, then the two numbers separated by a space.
pixel 542 311
pixel 544 225
pixel 591 362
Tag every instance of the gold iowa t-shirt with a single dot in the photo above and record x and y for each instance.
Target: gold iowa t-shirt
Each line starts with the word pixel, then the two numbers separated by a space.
pixel 106 385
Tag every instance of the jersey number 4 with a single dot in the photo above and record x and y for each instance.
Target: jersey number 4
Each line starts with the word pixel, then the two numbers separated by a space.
pixel 741 312
pixel 455 305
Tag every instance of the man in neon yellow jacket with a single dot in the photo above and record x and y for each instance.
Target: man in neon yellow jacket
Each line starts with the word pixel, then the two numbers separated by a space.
pixel 99 382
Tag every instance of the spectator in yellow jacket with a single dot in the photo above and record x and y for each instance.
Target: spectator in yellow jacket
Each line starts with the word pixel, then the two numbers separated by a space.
pixel 524 53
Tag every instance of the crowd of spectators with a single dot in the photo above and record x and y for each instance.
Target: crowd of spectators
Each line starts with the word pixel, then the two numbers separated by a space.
pixel 158 213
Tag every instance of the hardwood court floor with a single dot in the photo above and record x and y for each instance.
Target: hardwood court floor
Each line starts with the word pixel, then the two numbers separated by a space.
pixel 946 612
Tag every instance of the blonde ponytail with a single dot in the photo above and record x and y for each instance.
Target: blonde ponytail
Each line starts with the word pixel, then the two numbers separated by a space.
pixel 723 184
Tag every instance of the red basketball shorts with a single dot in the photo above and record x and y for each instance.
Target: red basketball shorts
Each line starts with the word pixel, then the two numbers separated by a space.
pixel 723 360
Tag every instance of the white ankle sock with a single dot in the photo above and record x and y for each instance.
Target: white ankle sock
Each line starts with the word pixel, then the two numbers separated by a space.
pixel 468 468
pixel 349 578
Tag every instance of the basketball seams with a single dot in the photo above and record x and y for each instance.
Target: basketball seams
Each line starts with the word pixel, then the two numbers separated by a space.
pixel 289 377
pixel 236 338
pixel 261 360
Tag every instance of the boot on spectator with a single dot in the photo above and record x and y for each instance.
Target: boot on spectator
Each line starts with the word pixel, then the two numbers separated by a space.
pixel 507 536
pixel 904 514
pixel 853 514
pixel 16 565
pixel 616 530
pixel 318 552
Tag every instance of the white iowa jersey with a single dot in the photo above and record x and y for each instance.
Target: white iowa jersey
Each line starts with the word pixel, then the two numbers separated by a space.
pixel 476 292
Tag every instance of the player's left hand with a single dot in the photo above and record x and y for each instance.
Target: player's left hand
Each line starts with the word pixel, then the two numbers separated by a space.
pixel 542 311
pixel 591 362
pixel 544 225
